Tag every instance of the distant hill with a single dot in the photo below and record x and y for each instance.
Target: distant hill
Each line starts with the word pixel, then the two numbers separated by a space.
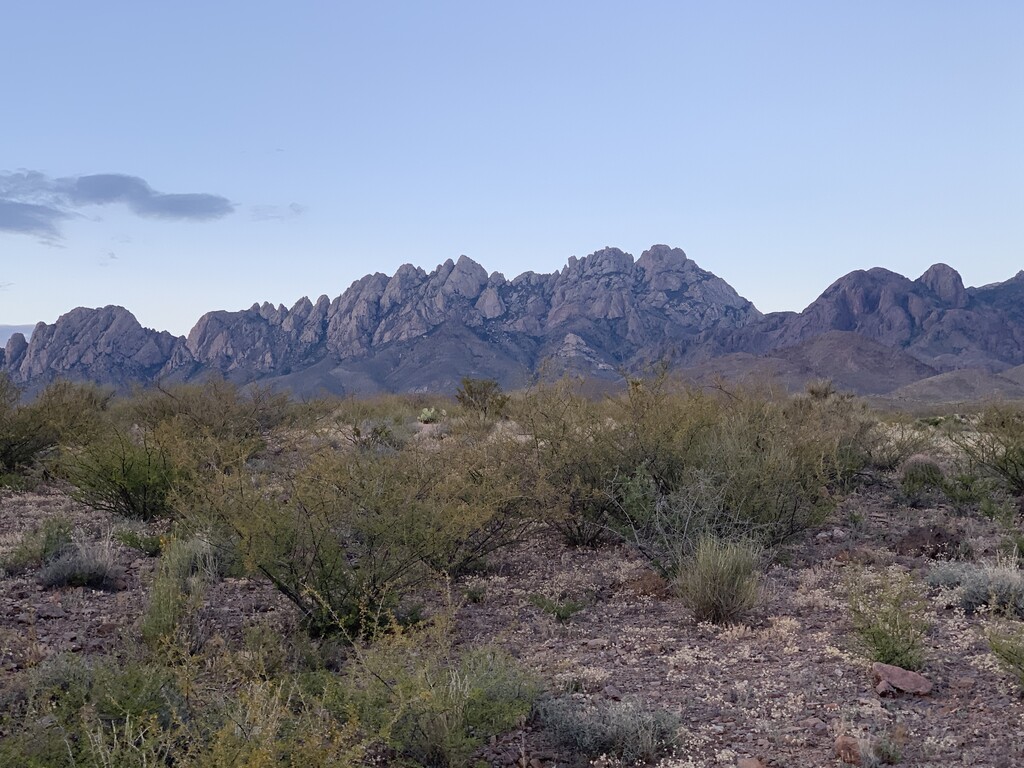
pixel 6 331
pixel 871 332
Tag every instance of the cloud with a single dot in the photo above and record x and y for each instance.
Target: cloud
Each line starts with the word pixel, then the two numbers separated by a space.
pixel 276 212
pixel 31 219
pixel 106 188
pixel 31 203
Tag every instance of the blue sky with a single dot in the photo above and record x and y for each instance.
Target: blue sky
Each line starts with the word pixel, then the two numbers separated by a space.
pixel 179 157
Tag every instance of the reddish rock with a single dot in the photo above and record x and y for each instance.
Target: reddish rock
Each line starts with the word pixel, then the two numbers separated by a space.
pixel 901 679
pixel 750 762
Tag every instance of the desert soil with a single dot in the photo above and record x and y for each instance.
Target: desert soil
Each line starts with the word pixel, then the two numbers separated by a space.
pixel 780 687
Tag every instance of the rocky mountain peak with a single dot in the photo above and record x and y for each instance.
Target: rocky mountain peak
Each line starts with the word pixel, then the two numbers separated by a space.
pixel 946 283
pixel 596 316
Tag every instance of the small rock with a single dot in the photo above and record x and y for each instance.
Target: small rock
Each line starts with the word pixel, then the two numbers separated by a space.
pixel 964 683
pixel 848 750
pixel 50 611
pixel 612 692
pixel 814 724
pixel 901 679
pixel 884 689
pixel 750 762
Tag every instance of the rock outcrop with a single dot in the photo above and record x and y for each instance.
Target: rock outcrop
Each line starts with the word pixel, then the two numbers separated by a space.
pixel 598 315
pixel 872 330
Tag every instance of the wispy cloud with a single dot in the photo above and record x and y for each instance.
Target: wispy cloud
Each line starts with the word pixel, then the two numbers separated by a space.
pixel 32 203
pixel 276 212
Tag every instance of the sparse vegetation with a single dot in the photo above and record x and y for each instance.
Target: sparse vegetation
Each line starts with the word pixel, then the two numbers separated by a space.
pixel 996 585
pixel 39 546
pixel 720 581
pixel 297 613
pixel 84 564
pixel 631 731
pixel 889 617
pixel 1008 647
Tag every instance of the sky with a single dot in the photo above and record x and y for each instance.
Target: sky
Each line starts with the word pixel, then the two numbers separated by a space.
pixel 176 158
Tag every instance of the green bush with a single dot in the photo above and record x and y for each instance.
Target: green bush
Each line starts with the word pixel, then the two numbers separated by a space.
pixel 24 434
pixel 631 731
pixel 70 711
pixel 186 567
pixel 889 618
pixel 720 581
pixel 996 444
pixel 40 545
pixel 348 536
pixel 432 704
pixel 561 610
pixel 483 396
pixel 128 474
pixel 63 413
pixel 148 544
pixel 1008 647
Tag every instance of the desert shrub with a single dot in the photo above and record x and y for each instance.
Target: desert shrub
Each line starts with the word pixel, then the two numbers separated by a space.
pixel 84 564
pixel 775 463
pixel 631 731
pixel 625 468
pixel 431 703
pixel 348 536
pixel 920 474
pixel 75 411
pixel 720 581
pixel 997 585
pixel 561 610
pixel 567 461
pixel 148 544
pixel 996 444
pixel 63 413
pixel 889 441
pixel 214 407
pixel 126 473
pixel 186 567
pixel 1008 647
pixel 888 612
pixel 483 396
pixel 965 489
pixel 71 711
pixel 40 545
pixel 24 433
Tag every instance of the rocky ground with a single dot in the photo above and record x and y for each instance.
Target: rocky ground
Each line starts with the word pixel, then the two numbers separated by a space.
pixel 789 687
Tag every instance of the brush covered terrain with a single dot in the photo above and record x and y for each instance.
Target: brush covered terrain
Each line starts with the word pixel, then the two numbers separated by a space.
pixel 201 575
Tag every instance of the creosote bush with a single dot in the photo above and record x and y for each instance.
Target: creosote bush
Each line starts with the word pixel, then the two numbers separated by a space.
pixel 349 536
pixel 124 472
pixel 483 396
pixel 995 444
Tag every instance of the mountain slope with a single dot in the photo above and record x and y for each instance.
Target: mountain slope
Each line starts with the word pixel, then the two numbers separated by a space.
pixel 872 331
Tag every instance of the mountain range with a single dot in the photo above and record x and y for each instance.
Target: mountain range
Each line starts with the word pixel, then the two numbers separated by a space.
pixel 872 332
